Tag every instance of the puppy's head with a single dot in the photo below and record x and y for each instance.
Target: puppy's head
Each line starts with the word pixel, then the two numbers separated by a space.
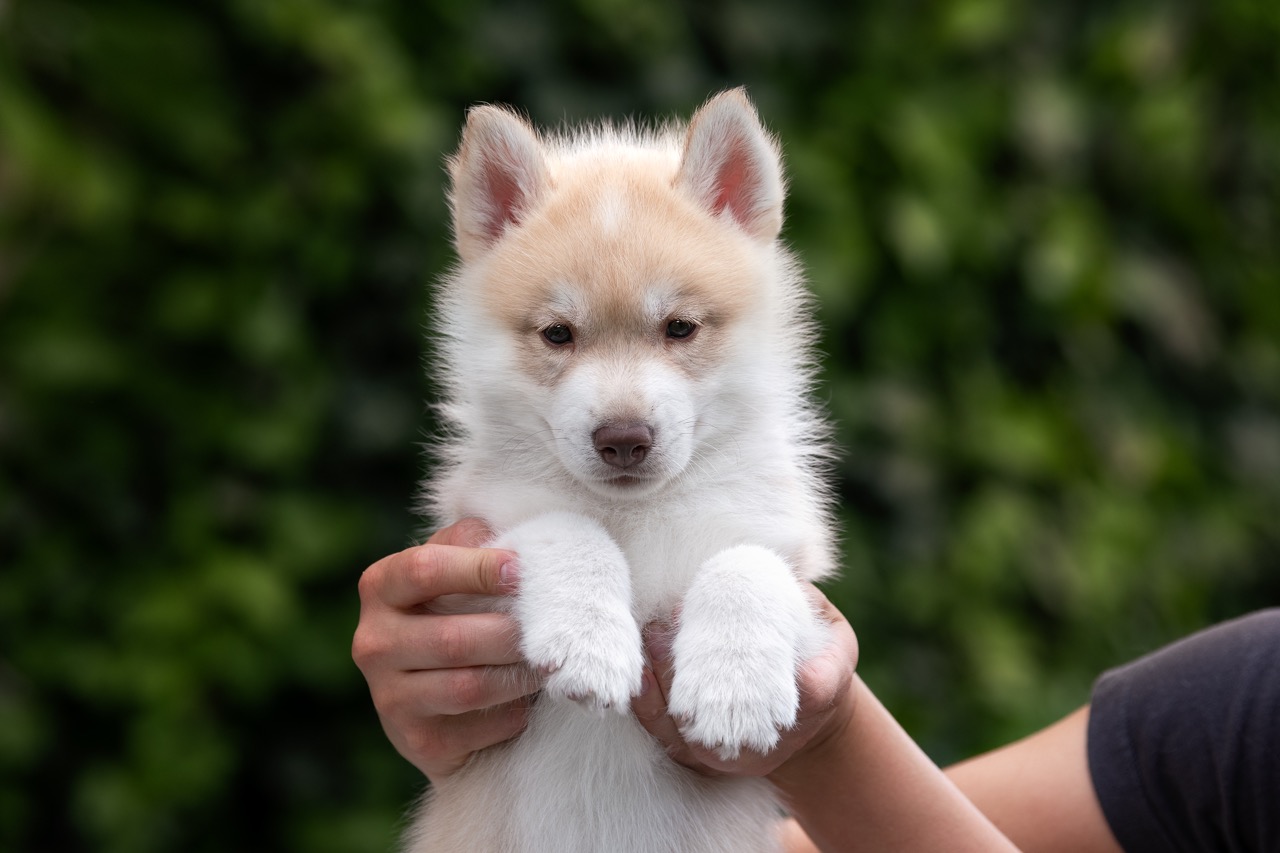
pixel 614 283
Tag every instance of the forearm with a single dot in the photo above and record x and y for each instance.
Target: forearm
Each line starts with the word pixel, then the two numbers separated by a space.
pixel 869 787
pixel 1039 791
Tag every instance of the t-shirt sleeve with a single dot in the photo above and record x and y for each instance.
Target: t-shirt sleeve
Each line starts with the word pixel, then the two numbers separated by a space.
pixel 1184 744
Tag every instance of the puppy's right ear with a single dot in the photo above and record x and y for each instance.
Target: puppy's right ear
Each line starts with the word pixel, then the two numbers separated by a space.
pixel 499 174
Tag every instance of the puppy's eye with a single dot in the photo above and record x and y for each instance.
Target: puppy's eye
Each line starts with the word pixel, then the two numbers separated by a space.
pixel 558 334
pixel 679 328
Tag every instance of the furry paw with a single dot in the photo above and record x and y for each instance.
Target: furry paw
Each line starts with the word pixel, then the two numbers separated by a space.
pixel 574 608
pixel 729 699
pixel 599 669
pixel 594 658
pixel 745 627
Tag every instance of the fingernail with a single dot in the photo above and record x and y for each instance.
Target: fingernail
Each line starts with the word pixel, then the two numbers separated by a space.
pixel 646 683
pixel 508 576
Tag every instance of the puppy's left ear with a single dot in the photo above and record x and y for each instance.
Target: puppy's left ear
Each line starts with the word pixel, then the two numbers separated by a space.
pixel 731 165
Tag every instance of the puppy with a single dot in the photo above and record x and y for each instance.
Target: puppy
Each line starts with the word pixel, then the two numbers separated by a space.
pixel 624 356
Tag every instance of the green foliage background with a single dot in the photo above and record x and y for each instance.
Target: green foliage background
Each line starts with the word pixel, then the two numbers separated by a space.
pixel 1045 240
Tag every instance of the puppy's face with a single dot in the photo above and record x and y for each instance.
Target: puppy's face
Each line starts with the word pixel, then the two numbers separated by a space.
pixel 622 299
pixel 627 276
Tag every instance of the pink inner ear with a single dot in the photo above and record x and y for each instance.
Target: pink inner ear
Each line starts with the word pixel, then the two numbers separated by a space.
pixel 734 186
pixel 506 199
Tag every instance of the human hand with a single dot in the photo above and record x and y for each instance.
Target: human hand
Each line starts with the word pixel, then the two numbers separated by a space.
pixel 444 685
pixel 826 701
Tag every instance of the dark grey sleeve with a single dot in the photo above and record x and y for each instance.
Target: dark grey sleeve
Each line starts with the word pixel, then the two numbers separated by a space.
pixel 1184 744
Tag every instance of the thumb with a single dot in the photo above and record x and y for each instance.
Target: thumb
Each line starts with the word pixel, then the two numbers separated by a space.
pixel 650 707
pixel 417 575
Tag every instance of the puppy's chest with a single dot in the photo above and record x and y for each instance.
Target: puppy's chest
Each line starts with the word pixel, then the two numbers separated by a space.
pixel 664 562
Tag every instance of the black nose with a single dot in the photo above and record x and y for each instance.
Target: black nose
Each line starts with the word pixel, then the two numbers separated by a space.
pixel 623 445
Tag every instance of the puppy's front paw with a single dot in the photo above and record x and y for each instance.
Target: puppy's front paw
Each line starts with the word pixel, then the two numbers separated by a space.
pixel 574 608
pixel 744 628
pixel 593 656
pixel 728 697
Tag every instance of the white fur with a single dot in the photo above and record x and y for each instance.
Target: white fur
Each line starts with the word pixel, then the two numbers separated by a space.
pixel 575 608
pixel 615 234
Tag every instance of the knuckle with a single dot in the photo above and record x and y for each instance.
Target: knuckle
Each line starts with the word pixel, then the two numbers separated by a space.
pixel 467 532
pixel 427 567
pixel 652 719
pixel 366 647
pixel 368 584
pixel 467 689
pixel 455 645
pixel 476 532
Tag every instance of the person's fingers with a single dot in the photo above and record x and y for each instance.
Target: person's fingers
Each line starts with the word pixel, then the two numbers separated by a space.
pixel 460 640
pixel 659 637
pixel 441 745
pixel 825 609
pixel 650 707
pixel 448 692
pixel 414 576
pixel 823 679
pixel 467 533
pixel 481 729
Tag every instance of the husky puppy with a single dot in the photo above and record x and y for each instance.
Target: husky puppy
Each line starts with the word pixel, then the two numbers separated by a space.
pixel 624 357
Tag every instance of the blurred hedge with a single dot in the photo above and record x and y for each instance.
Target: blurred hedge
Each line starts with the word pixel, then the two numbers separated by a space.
pixel 1043 236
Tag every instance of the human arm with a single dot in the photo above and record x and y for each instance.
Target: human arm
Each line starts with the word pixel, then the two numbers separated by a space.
pixel 866 785
pixel 444 686
pixel 851 776
pixel 1178 745
pixel 1038 790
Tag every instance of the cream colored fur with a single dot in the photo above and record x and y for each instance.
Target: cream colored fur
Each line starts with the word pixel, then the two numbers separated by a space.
pixel 622 239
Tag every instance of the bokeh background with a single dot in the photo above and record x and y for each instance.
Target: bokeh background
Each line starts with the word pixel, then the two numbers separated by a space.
pixel 1045 237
